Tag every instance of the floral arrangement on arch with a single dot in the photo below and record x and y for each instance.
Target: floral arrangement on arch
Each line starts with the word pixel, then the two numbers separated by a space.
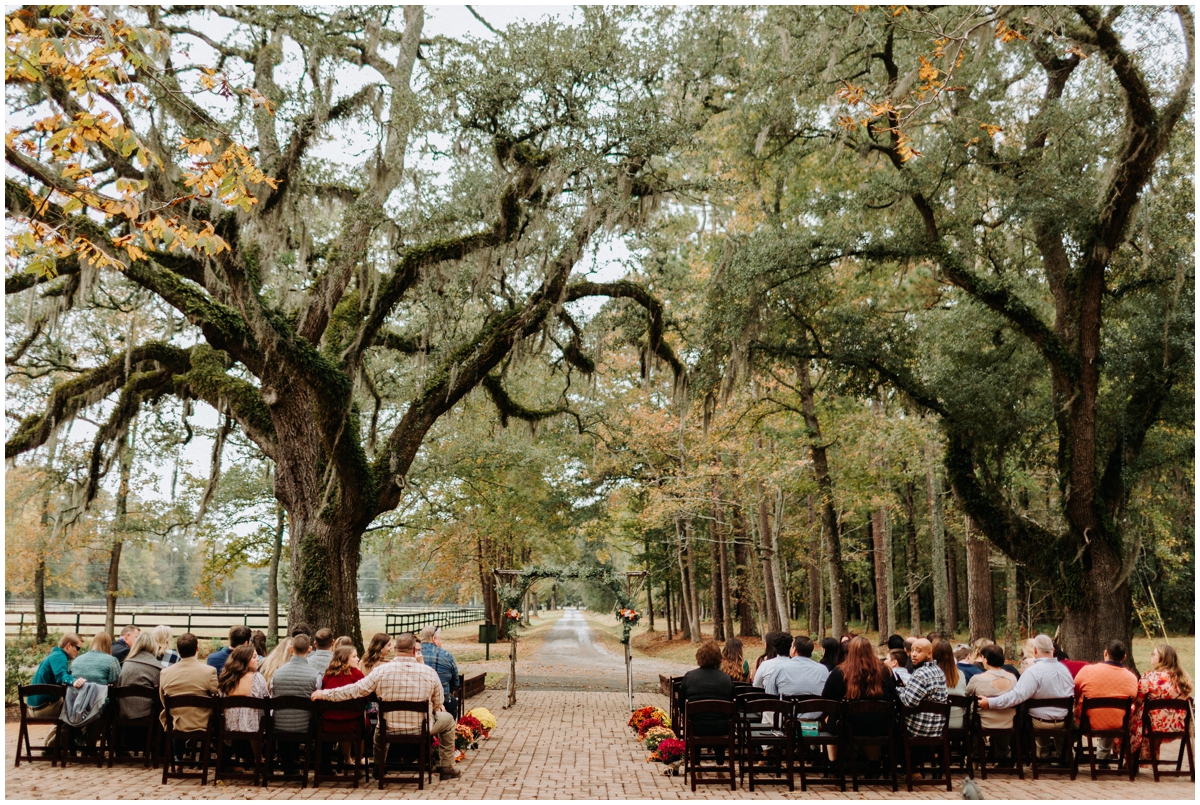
pixel 629 616
pixel 669 750
pixel 513 615
pixel 656 735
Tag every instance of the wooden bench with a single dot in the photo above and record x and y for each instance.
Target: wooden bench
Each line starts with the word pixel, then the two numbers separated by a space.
pixel 473 685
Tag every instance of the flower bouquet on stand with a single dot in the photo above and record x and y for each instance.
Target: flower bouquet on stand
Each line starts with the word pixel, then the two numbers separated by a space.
pixel 630 616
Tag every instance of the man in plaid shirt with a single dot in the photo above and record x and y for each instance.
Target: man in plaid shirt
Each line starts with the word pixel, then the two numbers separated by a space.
pixel 406 679
pixel 442 663
pixel 926 683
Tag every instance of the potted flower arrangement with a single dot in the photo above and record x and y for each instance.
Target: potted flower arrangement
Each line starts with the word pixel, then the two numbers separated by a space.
pixel 670 753
pixel 656 735
pixel 639 717
pixel 473 724
pixel 487 721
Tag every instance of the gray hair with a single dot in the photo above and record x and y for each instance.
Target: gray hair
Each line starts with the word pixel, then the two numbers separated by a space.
pixel 426 634
pixel 1044 644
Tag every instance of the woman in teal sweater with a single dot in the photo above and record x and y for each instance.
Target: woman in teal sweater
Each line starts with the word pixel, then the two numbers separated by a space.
pixel 98 664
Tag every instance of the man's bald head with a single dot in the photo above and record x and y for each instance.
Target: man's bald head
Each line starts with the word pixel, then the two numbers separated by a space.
pixel 922 650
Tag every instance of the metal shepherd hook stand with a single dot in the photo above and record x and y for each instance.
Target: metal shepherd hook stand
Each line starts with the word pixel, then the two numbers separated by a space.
pixel 631 592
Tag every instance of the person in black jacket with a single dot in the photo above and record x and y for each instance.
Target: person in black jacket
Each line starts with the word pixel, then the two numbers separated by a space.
pixel 708 682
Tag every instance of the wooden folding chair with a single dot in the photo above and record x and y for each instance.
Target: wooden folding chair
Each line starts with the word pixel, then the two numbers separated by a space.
pixel 176 769
pixel 1089 706
pixel 421 742
pixel 50 753
pixel 1155 738
pixel 940 742
pixel 119 726
pixel 696 744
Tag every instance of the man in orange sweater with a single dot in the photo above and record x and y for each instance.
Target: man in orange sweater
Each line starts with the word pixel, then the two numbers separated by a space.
pixel 1103 680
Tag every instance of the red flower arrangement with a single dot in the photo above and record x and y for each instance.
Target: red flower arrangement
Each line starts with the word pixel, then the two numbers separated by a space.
pixel 647 725
pixel 669 751
pixel 472 723
pixel 513 614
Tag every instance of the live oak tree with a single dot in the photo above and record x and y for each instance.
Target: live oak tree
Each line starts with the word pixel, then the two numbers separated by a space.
pixel 1027 176
pixel 197 154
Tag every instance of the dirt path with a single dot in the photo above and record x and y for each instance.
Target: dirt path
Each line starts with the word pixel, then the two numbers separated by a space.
pixel 570 658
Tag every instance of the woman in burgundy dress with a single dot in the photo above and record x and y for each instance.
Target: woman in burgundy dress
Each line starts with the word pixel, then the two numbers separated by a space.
pixel 342 670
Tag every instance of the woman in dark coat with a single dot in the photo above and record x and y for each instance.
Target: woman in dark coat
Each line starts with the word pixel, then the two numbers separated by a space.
pixel 708 682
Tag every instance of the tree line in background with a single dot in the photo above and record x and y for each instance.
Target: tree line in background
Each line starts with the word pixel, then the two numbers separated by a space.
pixel 904 337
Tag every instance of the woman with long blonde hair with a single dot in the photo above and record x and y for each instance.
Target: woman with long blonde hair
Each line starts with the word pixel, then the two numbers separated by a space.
pixel 167 656
pixel 1166 679
pixel 276 659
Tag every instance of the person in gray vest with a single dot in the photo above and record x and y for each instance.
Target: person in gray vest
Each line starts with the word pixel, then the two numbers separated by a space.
pixel 323 653
pixel 294 678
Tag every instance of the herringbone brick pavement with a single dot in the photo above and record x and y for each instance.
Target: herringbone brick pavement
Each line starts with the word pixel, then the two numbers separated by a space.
pixel 551 745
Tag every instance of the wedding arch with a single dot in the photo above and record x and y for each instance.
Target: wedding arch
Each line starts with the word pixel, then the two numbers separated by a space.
pixel 511 586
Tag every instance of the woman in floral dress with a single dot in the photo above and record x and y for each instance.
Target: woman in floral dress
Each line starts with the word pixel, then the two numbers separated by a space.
pixel 1166 679
pixel 240 677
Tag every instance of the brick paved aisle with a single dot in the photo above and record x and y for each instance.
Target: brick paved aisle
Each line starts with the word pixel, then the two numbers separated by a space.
pixel 552 745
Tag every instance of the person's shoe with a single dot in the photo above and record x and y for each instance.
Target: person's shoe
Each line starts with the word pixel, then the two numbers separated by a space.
pixel 448 773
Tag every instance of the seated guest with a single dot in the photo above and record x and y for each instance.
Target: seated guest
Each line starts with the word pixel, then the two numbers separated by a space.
pixel 55 670
pixel 908 644
pixel 708 681
pixel 928 683
pixel 993 681
pixel 141 667
pixel 258 639
pixel 1074 666
pixel 188 677
pixel 962 658
pixel 380 650
pixel 240 677
pixel 768 653
pixel 342 641
pixel 799 676
pixel 294 678
pixel 322 652
pixel 304 629
pixel 895 642
pixel 97 664
pixel 166 655
pixel 342 670
pixel 122 645
pixel 897 661
pixel 956 681
pixel 733 662
pixel 1028 655
pixel 442 663
pixel 407 679
pixel 1105 680
pixel 862 676
pixel 1166 679
pixel 238 635
pixel 1045 678
pixel 830 650
pixel 275 660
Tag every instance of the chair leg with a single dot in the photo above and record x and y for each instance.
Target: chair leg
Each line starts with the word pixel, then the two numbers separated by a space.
pixel 908 766
pixel 946 761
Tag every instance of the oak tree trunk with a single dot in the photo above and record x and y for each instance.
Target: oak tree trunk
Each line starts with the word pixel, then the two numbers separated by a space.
pixel 814 571
pixel 692 581
pixel 952 587
pixel 937 562
pixel 883 592
pixel 718 612
pixel 914 599
pixel 833 542
pixel 273 577
pixel 1012 611
pixel 119 526
pixel 726 598
pixel 980 614
pixel 42 630
pixel 745 613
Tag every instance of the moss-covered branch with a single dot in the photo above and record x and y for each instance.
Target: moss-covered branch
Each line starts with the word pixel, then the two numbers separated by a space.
pixel 509 407
pixel 72 396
